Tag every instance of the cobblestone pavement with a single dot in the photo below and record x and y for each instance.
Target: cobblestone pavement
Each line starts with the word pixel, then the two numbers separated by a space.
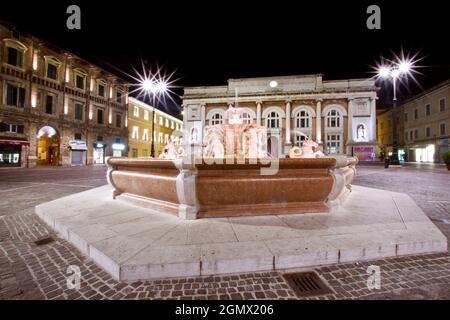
pixel 28 271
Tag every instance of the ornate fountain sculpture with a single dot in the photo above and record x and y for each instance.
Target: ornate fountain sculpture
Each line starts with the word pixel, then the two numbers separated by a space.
pixel 234 138
pixel 307 181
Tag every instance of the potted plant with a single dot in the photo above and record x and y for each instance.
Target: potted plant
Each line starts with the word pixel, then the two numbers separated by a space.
pixel 446 158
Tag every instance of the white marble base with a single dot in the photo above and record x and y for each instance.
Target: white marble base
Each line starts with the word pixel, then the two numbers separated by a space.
pixel 132 243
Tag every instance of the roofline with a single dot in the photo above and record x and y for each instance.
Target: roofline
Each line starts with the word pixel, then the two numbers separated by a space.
pixel 426 92
pixel 133 100
pixel 56 48
pixel 276 78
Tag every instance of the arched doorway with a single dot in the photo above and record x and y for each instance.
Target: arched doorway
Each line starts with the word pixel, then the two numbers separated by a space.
pixel 48 146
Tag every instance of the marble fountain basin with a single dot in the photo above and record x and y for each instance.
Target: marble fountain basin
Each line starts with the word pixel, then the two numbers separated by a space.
pixel 204 190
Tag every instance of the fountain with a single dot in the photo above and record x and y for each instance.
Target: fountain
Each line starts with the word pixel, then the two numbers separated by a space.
pixel 234 176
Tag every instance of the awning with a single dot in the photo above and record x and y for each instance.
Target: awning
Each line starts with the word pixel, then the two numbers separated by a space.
pixel 15 142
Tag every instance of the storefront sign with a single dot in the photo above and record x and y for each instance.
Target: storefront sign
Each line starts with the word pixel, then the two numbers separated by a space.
pixel 77 145
pixel 118 146
pixel 364 153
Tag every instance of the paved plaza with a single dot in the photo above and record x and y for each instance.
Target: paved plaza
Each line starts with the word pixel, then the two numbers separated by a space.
pixel 28 271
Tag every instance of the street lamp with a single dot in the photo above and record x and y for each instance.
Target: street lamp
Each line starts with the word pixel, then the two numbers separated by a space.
pixel 394 72
pixel 155 88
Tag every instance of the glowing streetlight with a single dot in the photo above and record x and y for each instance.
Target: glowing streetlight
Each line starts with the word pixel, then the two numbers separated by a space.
pixel 395 71
pixel 384 72
pixel 154 88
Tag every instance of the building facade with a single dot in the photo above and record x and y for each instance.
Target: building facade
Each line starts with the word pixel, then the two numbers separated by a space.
pixel 339 115
pixel 55 108
pixel 423 126
pixel 167 128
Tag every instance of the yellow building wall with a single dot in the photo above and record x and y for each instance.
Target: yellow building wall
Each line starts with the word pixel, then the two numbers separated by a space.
pixel 140 147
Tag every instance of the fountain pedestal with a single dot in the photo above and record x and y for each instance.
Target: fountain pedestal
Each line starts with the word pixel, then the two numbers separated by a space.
pixel 211 188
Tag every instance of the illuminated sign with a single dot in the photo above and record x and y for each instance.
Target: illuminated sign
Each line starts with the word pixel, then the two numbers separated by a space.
pixel 118 146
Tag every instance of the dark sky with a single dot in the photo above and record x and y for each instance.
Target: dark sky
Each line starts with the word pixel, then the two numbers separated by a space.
pixel 208 42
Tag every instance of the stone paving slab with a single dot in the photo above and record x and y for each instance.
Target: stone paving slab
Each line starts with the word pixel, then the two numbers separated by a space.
pixel 132 243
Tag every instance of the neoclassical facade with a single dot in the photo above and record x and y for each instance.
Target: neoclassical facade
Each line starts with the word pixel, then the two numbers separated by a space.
pixel 339 114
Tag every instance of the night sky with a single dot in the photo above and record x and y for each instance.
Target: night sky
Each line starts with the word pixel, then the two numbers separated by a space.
pixel 206 43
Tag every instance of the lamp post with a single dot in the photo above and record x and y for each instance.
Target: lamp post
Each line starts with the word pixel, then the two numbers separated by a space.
pixel 394 72
pixel 154 88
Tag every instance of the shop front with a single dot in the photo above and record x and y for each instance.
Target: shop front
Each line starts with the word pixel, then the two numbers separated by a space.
pixel 422 153
pixel 78 151
pixel 99 153
pixel 11 152
pixel 118 149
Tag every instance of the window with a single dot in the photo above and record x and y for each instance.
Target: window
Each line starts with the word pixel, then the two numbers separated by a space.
pixel 118 120
pixel 15 96
pixel 273 120
pixel 428 132
pixel 416 114
pixel 78 111
pixel 14 57
pixel 160 137
pixel 136 111
pixel 411 135
pixel 52 71
pixel 442 105
pixel 100 113
pixel 216 119
pixel 145 115
pixel 381 125
pixel 161 121
pixel 428 109
pixel 101 89
pixel 172 125
pixel 302 119
pixel 145 135
pixel 134 153
pixel 79 81
pixel 246 118
pixel 442 129
pixel 9 127
pixel 334 119
pixel 119 97
pixel 135 134
pixel 77 136
pixel 99 138
pixel 167 123
pixel 177 127
pixel 299 139
pixel 333 143
pixel 416 134
pixel 406 136
pixel 405 117
pixel 166 138
pixel 50 104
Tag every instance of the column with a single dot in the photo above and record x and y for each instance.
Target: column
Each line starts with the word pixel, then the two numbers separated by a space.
pixel 258 112
pixel 349 120
pixel 288 122
pixel 373 119
pixel 203 114
pixel 203 119
pixel 319 121
pixel 185 125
